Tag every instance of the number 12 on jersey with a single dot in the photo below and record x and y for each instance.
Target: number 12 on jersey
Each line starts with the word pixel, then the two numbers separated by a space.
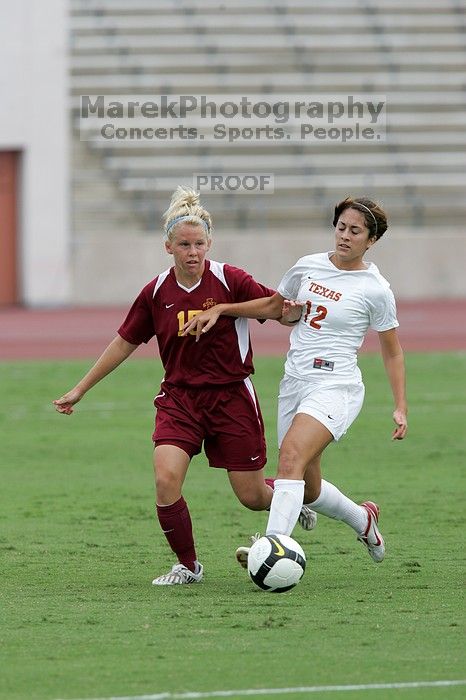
pixel 321 312
pixel 181 316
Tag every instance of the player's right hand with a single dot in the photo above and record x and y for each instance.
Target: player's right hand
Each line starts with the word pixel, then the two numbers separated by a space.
pixel 66 402
pixel 401 422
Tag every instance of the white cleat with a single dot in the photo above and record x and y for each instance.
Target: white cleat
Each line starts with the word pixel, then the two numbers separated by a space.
pixel 372 537
pixel 242 552
pixel 179 574
pixel 307 517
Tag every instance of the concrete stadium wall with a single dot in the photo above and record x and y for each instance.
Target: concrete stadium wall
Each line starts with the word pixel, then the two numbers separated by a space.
pixel 34 121
pixel 420 264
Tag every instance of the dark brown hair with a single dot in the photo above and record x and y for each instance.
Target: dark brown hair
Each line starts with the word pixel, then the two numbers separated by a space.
pixel 374 216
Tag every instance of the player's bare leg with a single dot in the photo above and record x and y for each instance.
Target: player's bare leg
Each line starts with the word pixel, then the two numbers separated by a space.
pixel 304 441
pixel 170 466
pixel 251 489
pixel 298 448
pixel 325 498
pixel 308 517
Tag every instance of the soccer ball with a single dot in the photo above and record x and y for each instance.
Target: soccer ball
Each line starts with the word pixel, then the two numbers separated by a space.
pixel 276 563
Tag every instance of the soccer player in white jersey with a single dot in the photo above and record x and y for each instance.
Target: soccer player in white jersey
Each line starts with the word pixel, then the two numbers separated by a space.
pixel 332 299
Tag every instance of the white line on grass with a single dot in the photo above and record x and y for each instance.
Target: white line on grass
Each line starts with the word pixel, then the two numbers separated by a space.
pixel 284 691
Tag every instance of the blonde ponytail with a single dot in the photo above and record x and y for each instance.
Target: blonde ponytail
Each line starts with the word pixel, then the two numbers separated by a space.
pixel 185 207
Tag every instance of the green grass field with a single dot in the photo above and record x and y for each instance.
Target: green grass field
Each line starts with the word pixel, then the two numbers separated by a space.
pixel 79 546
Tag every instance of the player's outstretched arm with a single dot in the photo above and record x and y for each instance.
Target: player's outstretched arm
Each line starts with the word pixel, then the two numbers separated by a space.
pixel 393 359
pixel 265 307
pixel 113 355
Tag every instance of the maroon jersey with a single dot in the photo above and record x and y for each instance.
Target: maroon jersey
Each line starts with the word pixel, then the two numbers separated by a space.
pixel 222 355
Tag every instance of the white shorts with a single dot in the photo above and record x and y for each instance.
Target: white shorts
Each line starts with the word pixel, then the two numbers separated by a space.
pixel 334 405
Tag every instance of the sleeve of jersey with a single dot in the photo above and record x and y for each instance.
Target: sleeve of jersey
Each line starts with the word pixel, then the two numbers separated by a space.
pixel 291 281
pixel 382 309
pixel 138 326
pixel 243 286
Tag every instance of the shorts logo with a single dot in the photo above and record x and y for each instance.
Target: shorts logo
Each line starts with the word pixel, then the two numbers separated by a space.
pixel 253 459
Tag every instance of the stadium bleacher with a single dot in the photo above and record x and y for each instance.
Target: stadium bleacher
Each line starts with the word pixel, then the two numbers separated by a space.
pixel 411 51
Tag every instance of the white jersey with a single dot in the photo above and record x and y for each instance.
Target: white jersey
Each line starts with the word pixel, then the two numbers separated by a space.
pixel 339 307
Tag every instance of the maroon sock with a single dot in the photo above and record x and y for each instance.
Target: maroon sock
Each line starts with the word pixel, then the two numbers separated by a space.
pixel 175 522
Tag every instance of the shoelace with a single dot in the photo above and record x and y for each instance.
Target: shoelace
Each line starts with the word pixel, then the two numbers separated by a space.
pixel 178 573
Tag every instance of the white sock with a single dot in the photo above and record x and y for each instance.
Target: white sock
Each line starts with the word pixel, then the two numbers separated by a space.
pixel 334 504
pixel 286 505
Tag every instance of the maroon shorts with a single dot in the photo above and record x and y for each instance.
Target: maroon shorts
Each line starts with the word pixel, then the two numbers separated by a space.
pixel 226 418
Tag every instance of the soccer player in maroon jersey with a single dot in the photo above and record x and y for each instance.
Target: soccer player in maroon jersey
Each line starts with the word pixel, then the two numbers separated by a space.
pixel 206 396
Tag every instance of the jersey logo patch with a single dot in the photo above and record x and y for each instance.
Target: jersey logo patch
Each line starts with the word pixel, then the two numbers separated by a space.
pixel 327 365
pixel 209 303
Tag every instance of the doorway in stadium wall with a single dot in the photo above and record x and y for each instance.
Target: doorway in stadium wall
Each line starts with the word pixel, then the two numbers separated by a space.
pixel 9 243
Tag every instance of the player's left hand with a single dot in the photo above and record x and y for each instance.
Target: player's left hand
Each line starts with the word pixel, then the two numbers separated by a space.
pixel 401 423
pixel 201 323
pixel 291 311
